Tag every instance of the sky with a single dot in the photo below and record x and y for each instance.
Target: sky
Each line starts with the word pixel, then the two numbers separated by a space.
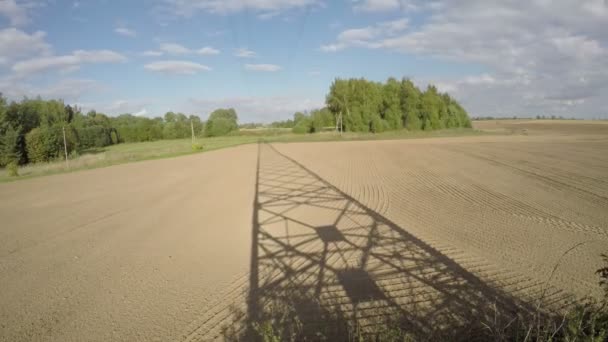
pixel 270 58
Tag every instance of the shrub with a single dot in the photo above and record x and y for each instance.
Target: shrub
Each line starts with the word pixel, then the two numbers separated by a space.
pixel 46 143
pixel 9 146
pixel 303 126
pixel 197 147
pixel 218 127
pixel 378 125
pixel 39 145
pixel 94 136
pixel 12 169
pixel 221 122
pixel 74 154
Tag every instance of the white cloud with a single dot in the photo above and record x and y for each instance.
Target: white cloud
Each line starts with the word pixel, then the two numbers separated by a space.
pixel 366 36
pixel 268 15
pixel 15 12
pixel 15 43
pixel 244 53
pixel 388 5
pixel 151 53
pixel 538 56
pixel 174 49
pixel 178 49
pixel 67 62
pixel 99 56
pixel 262 67
pixel 44 63
pixel 141 112
pixel 187 8
pixel 66 89
pixel 123 31
pixel 208 50
pixel 176 67
pixel 377 5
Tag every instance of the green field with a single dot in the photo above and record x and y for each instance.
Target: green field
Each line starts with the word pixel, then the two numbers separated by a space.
pixel 131 152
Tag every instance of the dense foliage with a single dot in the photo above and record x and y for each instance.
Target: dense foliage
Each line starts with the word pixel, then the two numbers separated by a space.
pixel 367 106
pixel 32 130
pixel 375 107
pixel 221 122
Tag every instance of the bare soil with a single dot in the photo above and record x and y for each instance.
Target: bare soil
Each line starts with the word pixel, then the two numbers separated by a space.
pixel 192 248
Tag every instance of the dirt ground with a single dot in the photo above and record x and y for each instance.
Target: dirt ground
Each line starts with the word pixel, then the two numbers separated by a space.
pixel 182 248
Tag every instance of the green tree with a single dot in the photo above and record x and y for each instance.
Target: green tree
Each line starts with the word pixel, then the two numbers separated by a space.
pixel 338 100
pixel 321 118
pixel 304 125
pixel 410 105
pixel 9 146
pixel 391 104
pixel 46 143
pixel 221 122
pixel 430 106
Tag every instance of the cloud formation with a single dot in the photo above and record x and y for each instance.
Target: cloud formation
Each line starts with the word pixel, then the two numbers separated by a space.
pixel 244 53
pixel 123 31
pixel 542 57
pixel 385 5
pixel 176 67
pixel 262 67
pixel 175 49
pixel 69 90
pixel 187 8
pixel 208 50
pixel 67 62
pixel 15 44
pixel 15 12
pixel 367 36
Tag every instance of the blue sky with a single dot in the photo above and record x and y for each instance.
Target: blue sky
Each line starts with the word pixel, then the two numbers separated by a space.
pixel 269 58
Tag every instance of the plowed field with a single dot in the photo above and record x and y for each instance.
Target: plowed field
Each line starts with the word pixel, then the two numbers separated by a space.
pixel 184 248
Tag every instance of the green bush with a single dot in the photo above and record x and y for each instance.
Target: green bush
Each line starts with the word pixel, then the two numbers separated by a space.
pixel 41 145
pixel 218 127
pixel 9 146
pixel 221 122
pixel 74 154
pixel 94 136
pixel 12 169
pixel 46 143
pixel 197 147
pixel 378 125
pixel 303 126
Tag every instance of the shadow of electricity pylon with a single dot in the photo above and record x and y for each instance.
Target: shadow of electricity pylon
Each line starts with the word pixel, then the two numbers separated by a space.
pixel 324 264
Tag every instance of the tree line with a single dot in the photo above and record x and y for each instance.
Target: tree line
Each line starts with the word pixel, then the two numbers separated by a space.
pixel 32 130
pixel 367 106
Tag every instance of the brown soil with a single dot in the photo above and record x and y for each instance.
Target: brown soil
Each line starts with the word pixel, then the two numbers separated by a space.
pixel 182 248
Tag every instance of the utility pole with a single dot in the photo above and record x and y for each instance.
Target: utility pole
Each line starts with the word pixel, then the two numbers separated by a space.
pixel 65 148
pixel 192 128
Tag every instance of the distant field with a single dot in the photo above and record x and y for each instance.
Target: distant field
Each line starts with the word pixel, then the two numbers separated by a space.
pixel 553 127
pixel 130 152
pixel 443 235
